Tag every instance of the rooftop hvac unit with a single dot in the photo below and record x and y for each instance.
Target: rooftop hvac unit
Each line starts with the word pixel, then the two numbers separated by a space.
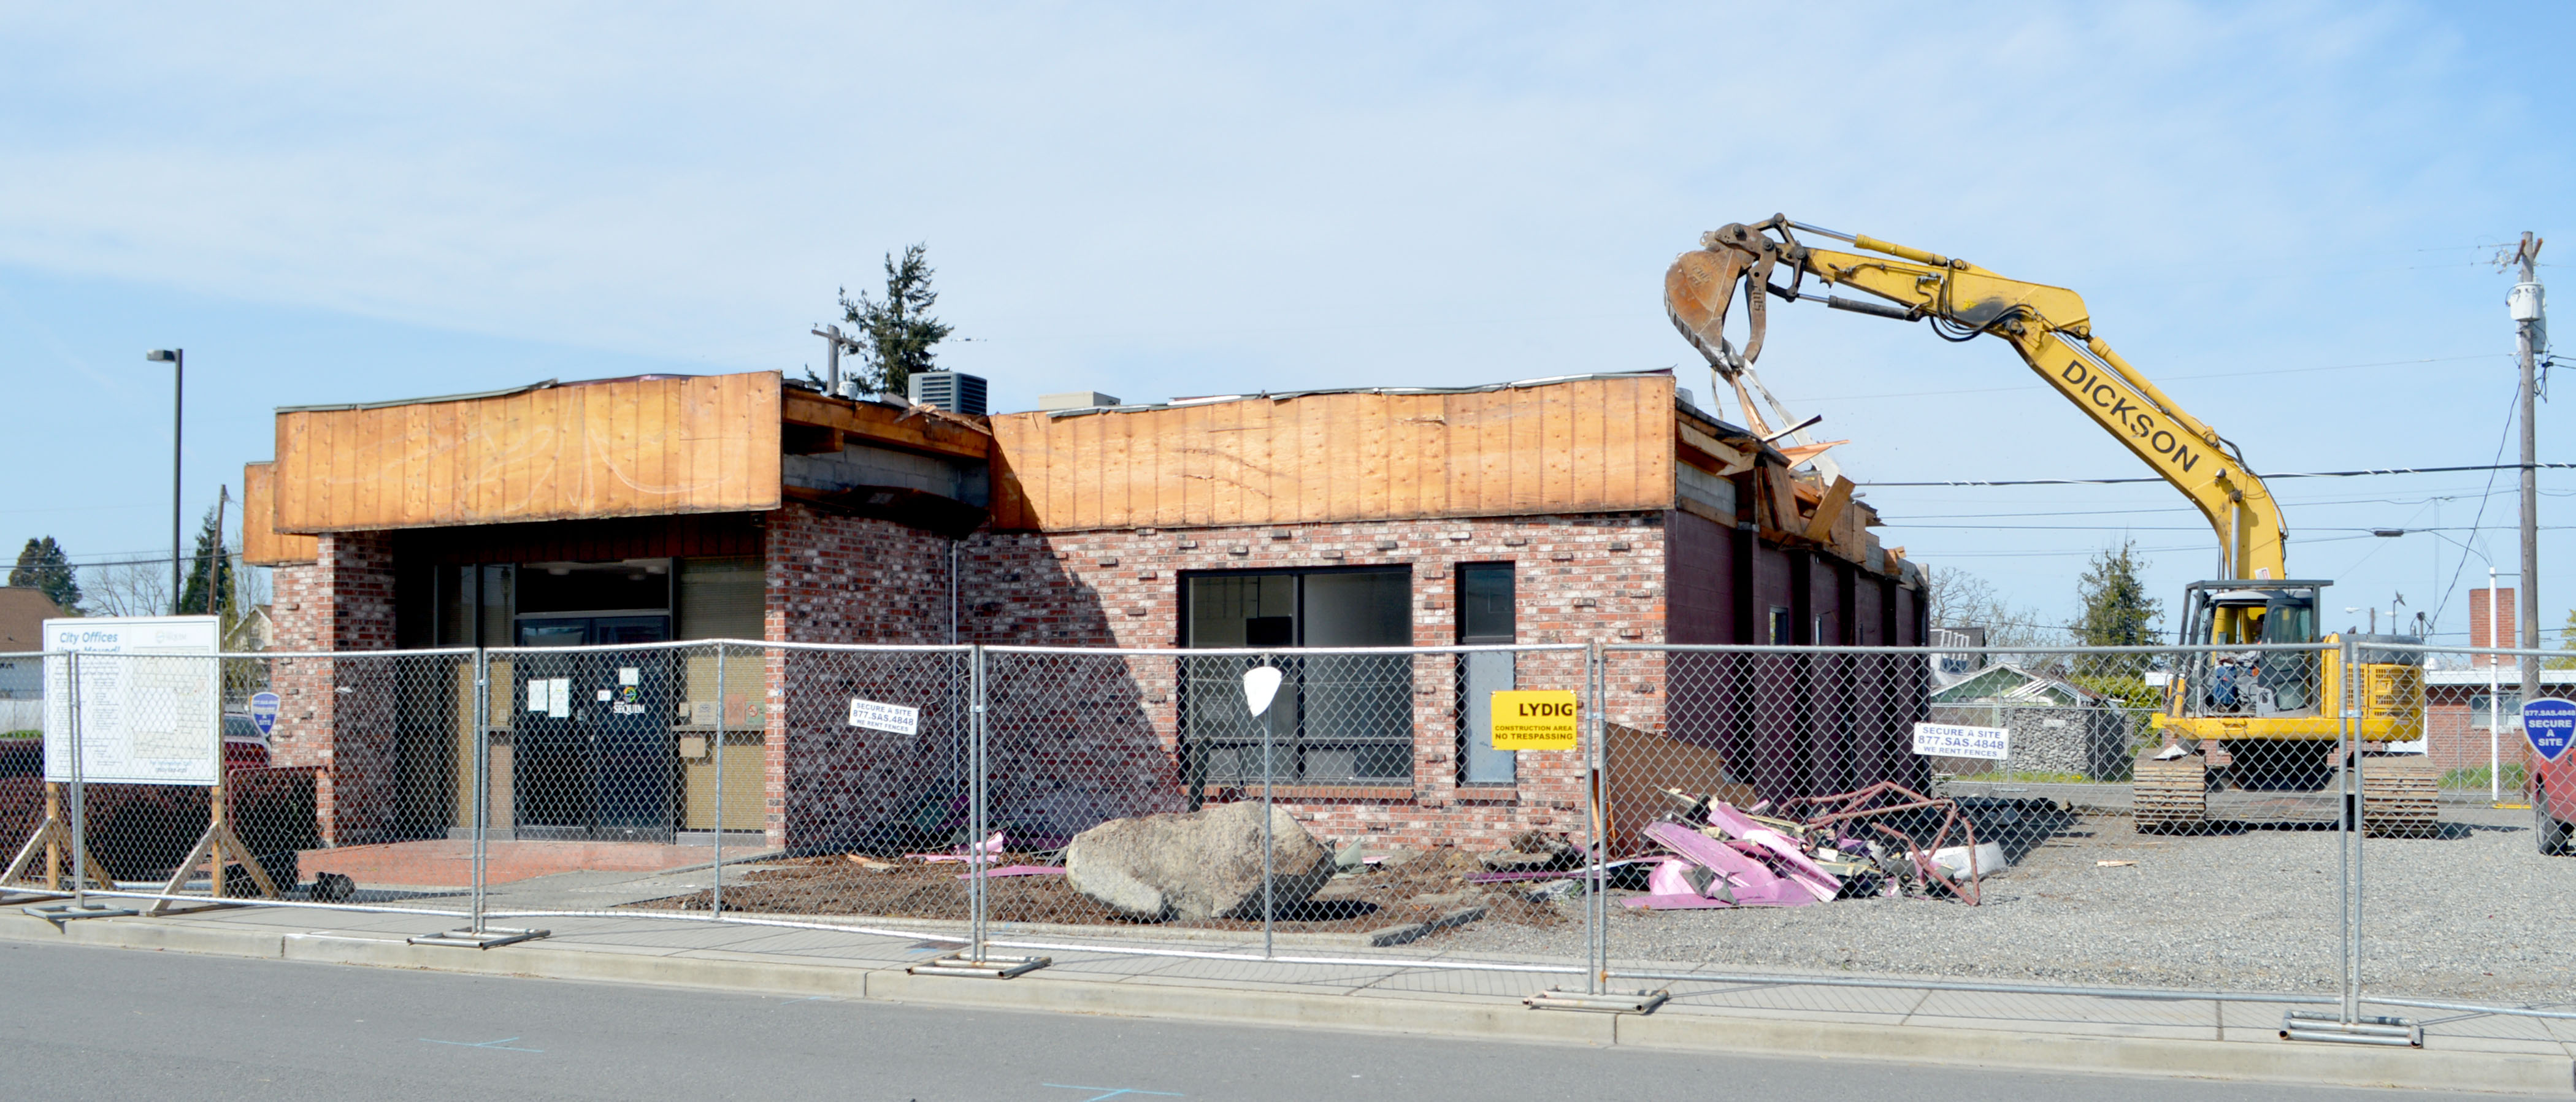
pixel 953 391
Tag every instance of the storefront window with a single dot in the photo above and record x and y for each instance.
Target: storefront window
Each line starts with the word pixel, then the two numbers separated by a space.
pixel 1338 718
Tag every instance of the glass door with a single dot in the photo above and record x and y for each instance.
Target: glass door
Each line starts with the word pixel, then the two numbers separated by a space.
pixel 595 758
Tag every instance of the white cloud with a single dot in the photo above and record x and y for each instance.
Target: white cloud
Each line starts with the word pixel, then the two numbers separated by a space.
pixel 1147 199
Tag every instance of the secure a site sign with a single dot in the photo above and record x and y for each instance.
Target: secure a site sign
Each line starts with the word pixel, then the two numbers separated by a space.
pixel 2550 725
pixel 1949 740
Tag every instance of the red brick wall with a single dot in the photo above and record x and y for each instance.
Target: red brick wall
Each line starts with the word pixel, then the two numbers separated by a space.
pixel 2504 628
pixel 340 715
pixel 1096 735
pixel 2454 742
pixel 843 579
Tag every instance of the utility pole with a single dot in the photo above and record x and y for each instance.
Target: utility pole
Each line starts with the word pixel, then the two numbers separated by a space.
pixel 2531 332
pixel 837 343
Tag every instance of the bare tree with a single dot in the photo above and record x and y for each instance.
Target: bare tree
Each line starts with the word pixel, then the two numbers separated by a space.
pixel 1956 598
pixel 128 589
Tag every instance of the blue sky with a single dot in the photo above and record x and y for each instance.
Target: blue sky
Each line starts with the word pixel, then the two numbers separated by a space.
pixel 2283 212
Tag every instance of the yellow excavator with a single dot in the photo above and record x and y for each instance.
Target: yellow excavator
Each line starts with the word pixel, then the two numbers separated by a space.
pixel 2254 722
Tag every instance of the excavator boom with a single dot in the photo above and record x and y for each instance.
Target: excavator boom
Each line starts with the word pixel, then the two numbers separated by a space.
pixel 2279 733
pixel 2048 326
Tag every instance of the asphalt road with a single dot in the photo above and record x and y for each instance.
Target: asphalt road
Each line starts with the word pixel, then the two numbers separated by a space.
pixel 100 1023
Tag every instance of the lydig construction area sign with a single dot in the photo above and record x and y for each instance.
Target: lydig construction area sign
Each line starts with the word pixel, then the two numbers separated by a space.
pixel 1943 740
pixel 1533 719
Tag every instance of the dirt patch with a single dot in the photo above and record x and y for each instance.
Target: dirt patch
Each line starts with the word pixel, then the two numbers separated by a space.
pixel 1419 890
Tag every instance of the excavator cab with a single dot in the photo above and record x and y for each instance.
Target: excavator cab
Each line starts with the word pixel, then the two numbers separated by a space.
pixel 2253 683
pixel 2267 721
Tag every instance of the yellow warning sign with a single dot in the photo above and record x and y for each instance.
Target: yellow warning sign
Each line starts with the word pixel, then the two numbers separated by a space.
pixel 1533 719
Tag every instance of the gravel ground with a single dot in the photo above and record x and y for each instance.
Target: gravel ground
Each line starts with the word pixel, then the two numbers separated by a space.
pixel 2475 914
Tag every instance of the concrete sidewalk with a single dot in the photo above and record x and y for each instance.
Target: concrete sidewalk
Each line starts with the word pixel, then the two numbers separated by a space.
pixel 1391 992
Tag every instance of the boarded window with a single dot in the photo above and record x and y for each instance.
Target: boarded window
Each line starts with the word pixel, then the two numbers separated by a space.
pixel 722 598
pixel 1485 615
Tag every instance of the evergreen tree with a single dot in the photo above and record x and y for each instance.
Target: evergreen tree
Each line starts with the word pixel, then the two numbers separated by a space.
pixel 42 565
pixel 2116 609
pixel 2566 642
pixel 209 583
pixel 896 335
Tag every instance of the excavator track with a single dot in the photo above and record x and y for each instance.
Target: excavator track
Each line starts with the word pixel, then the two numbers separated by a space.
pixel 2170 796
pixel 2398 797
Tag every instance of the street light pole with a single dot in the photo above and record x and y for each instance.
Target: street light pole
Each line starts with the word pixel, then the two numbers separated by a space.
pixel 2495 701
pixel 177 358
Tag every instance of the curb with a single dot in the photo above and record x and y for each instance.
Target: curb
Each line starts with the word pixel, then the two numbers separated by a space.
pixel 1492 1018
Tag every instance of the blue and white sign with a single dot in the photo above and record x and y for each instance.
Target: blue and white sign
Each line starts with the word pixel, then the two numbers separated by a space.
pixel 263 711
pixel 2550 725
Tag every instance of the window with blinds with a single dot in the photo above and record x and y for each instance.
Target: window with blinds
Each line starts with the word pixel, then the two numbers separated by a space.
pixel 722 598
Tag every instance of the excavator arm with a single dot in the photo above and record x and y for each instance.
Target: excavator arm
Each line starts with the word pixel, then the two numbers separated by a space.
pixel 2048 326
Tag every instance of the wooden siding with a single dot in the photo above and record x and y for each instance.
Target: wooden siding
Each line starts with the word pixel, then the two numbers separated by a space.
pixel 918 429
pixel 1580 446
pixel 262 543
pixel 626 447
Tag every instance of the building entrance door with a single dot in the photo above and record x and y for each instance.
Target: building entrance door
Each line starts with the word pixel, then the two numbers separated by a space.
pixel 595 756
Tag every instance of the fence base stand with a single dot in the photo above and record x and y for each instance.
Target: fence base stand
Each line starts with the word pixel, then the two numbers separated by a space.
pixel 59 913
pixel 470 938
pixel 1613 1002
pixel 991 968
pixel 2300 1025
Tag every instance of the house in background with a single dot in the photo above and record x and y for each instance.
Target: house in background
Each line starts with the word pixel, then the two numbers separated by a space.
pixel 2458 714
pixel 2054 725
pixel 23 612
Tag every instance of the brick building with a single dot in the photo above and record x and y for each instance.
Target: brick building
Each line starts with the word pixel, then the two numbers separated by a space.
pixel 632 511
pixel 2457 702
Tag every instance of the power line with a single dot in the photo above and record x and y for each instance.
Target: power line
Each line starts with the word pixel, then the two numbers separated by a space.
pixel 2374 530
pixel 2168 378
pixel 2302 502
pixel 2511 414
pixel 1933 556
pixel 2266 477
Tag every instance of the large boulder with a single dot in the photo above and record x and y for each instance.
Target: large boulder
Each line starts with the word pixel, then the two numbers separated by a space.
pixel 1203 864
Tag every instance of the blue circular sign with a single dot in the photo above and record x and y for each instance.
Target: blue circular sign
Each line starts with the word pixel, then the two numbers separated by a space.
pixel 2550 725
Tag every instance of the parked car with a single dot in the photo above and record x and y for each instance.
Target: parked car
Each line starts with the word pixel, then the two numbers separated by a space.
pixel 244 746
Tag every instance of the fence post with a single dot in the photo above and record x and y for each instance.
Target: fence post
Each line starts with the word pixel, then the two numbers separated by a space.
pixel 716 828
pixel 1269 948
pixel 2350 827
pixel 80 821
pixel 975 795
pixel 1596 935
pixel 482 780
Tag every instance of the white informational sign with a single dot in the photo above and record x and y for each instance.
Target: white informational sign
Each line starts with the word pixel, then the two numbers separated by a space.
pixel 151 706
pixel 891 718
pixel 550 696
pixel 1944 740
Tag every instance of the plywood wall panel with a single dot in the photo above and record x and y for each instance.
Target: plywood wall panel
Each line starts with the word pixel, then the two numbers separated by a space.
pixel 1584 445
pixel 262 543
pixel 630 447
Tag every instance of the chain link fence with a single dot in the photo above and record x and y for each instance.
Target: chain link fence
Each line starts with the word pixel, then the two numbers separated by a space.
pixel 2264 823
pixel 2023 820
